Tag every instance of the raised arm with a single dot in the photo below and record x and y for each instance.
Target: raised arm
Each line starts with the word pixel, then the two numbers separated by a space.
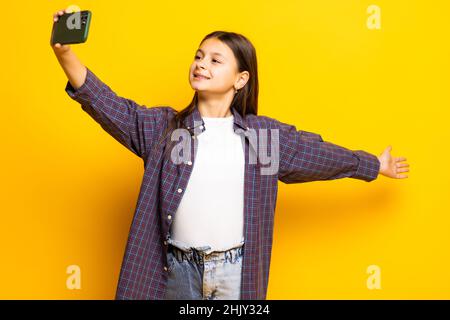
pixel 134 126
pixel 72 66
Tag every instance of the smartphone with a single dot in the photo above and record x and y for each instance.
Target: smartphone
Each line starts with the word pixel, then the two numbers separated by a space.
pixel 71 28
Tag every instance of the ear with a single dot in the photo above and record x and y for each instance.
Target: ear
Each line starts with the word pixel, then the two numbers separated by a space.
pixel 242 79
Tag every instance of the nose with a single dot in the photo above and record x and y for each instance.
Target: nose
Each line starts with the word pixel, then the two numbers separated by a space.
pixel 199 67
pixel 200 64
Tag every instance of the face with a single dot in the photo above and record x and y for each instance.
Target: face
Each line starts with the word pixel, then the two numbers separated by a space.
pixel 216 62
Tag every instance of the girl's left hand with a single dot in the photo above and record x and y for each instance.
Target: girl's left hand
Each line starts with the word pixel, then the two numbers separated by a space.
pixel 392 166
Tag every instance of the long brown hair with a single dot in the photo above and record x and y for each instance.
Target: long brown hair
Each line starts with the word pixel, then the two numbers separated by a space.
pixel 245 101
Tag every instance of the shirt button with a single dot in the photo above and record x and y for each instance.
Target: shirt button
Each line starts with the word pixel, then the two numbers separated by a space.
pixel 201 127
pixel 189 163
pixel 165 243
pixel 180 190
pixel 193 137
pixel 169 217
pixel 165 268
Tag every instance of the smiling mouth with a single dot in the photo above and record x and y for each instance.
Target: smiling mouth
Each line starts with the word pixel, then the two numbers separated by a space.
pixel 200 77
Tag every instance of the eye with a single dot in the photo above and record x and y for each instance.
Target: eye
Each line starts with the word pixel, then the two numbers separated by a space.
pixel 214 60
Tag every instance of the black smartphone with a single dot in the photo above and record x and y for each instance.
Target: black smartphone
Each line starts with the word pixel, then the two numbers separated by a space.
pixel 71 28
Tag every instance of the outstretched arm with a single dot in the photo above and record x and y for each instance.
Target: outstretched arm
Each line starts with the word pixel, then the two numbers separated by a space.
pixel 305 156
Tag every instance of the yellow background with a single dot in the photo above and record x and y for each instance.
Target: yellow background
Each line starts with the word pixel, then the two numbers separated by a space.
pixel 69 190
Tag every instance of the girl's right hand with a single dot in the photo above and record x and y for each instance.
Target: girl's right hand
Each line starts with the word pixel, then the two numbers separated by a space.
pixel 57 47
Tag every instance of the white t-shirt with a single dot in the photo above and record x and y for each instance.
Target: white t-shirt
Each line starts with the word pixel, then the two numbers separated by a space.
pixel 212 208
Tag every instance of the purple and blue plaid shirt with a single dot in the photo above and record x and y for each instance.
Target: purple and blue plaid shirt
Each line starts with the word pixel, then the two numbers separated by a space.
pixel 303 157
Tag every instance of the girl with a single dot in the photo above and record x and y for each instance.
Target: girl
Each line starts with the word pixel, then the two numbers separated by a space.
pixel 203 224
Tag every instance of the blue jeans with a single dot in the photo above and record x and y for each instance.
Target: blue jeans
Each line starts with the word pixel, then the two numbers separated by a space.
pixel 196 274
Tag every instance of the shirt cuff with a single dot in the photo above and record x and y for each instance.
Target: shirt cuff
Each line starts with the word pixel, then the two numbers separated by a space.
pixel 89 91
pixel 368 167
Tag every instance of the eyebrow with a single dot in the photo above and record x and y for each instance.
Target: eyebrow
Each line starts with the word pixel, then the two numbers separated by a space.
pixel 212 53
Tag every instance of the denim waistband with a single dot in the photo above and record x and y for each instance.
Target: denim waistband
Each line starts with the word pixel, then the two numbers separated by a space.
pixel 201 254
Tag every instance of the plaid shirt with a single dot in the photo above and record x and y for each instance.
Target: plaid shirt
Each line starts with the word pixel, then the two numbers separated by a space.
pixel 303 157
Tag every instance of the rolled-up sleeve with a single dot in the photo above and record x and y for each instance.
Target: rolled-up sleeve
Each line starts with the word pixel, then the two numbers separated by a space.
pixel 305 156
pixel 133 125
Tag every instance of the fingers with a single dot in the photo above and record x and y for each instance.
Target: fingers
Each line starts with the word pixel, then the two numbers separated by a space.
pixel 400 159
pixel 58 14
pixel 61 47
pixel 58 46
pixel 401 165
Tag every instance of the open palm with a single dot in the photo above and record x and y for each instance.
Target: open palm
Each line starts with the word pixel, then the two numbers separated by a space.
pixel 392 167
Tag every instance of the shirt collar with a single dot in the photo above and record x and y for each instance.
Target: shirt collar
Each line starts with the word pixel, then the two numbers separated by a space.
pixel 194 120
